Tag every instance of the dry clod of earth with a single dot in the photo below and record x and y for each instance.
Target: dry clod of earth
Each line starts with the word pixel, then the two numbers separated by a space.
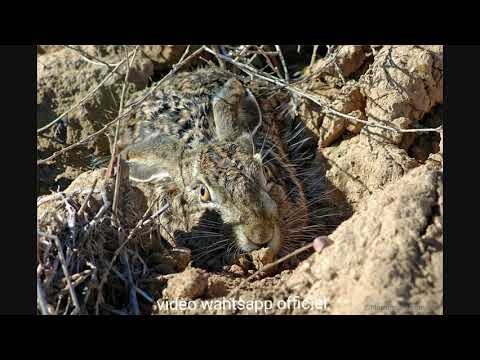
pixel 262 257
pixel 388 257
pixel 402 85
pixel 171 260
pixel 347 98
pixel 256 260
pixel 163 56
pixel 405 82
pixel 349 59
pixel 359 166
pixel 189 284
pixel 349 101
pixel 217 286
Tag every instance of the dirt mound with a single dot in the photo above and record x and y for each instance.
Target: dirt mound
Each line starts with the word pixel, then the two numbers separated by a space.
pixel 377 114
pixel 387 258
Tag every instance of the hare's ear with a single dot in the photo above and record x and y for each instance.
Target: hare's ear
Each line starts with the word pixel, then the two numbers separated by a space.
pixel 152 160
pixel 232 110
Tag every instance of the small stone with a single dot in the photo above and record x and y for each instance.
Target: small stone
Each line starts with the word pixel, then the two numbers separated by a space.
pixel 237 270
pixel 245 262
pixel 262 257
pixel 190 284
pixel 182 257
pixel 216 287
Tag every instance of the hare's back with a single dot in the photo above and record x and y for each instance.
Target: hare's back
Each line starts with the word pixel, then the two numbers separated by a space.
pixel 180 107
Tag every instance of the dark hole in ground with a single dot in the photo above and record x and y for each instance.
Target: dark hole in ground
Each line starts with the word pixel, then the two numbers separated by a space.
pixel 429 142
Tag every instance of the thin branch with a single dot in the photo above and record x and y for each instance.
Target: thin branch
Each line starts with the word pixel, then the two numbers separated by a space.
pixel 89 58
pixel 317 71
pixel 284 64
pixel 131 285
pixel 220 61
pixel 59 195
pixel 137 289
pixel 242 51
pixel 41 294
pixel 314 98
pixel 335 62
pixel 133 298
pixel 260 118
pixel 269 62
pixel 151 218
pixel 78 279
pixel 84 205
pixel 133 106
pixel 314 55
pixel 130 236
pixel 255 55
pixel 118 179
pixel 279 261
pixel 61 256
pixel 105 206
pixel 120 111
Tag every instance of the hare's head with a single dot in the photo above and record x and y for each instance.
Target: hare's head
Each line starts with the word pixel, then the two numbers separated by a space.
pixel 223 176
pixel 229 179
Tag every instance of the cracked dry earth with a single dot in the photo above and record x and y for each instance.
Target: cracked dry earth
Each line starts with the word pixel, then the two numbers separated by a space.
pixel 386 258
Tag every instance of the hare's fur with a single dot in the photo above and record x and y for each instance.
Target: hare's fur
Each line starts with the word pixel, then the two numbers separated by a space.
pixel 230 190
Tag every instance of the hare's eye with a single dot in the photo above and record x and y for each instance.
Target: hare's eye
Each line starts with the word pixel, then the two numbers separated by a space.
pixel 204 194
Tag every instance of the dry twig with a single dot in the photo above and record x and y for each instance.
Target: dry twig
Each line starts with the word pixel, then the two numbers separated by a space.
pixel 132 107
pixel 84 205
pixel 61 256
pixel 284 64
pixel 120 111
pixel 89 58
pixel 41 294
pixel 318 244
pixel 316 99
pixel 314 55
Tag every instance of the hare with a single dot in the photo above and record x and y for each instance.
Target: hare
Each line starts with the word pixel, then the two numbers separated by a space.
pixel 236 168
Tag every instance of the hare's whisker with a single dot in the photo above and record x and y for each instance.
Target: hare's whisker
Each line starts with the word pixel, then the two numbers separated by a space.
pixel 206 229
pixel 202 255
pixel 205 232
pixel 193 237
pixel 210 246
pixel 265 139
pixel 294 136
pixel 298 144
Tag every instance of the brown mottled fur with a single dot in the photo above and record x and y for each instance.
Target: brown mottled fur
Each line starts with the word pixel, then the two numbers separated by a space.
pixel 264 189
